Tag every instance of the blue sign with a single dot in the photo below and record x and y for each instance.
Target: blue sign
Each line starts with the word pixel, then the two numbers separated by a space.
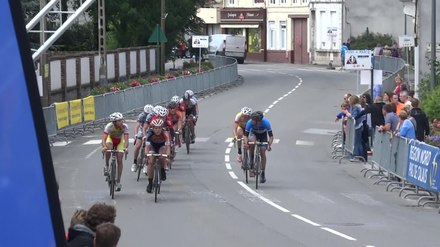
pixel 30 209
pixel 422 168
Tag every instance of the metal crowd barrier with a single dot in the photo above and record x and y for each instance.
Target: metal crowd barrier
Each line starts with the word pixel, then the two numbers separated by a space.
pixel 403 164
pixel 131 99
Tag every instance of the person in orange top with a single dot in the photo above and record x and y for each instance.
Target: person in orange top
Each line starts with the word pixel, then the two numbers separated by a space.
pixel 399 106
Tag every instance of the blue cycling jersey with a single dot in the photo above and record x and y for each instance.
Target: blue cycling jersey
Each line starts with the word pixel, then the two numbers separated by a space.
pixel 263 127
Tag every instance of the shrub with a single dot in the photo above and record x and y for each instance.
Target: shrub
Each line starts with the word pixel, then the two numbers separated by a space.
pixel 430 103
pixel 98 90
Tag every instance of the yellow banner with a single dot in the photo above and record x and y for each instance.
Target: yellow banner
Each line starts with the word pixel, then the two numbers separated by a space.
pixel 89 108
pixel 75 112
pixel 62 111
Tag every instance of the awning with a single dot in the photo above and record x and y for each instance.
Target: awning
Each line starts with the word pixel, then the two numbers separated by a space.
pixel 239 25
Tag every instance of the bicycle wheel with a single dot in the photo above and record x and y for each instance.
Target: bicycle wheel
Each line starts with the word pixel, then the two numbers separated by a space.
pixel 156 179
pixel 112 179
pixel 246 165
pixel 187 137
pixel 257 167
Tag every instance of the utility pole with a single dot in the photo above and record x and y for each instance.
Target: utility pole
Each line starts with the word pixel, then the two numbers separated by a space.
pixel 46 93
pixel 162 44
pixel 433 44
pixel 102 43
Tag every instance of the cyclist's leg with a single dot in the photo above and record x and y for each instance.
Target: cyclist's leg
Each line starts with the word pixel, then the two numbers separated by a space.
pixel 251 138
pixel 109 144
pixel 239 136
pixel 263 148
pixel 163 162
pixel 137 148
pixel 120 147
pixel 150 162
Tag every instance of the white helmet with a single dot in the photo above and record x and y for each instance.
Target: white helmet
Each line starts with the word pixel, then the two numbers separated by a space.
pixel 116 116
pixel 148 109
pixel 175 98
pixel 188 94
pixel 156 109
pixel 163 112
pixel 157 122
pixel 246 111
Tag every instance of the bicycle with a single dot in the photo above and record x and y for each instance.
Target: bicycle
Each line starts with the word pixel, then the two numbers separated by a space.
pixel 111 174
pixel 245 160
pixel 157 181
pixel 175 142
pixel 187 132
pixel 140 160
pixel 257 159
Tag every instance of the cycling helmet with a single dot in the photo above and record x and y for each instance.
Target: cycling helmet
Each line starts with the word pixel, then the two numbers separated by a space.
pixel 156 109
pixel 173 105
pixel 257 116
pixel 188 94
pixel 163 112
pixel 157 122
pixel 175 98
pixel 116 116
pixel 148 109
pixel 246 111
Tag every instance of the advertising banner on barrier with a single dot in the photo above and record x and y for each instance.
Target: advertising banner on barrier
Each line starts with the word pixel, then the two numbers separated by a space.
pixel 75 112
pixel 89 108
pixel 422 168
pixel 62 110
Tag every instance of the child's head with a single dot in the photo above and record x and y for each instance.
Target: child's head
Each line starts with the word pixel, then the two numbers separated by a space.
pixel 344 106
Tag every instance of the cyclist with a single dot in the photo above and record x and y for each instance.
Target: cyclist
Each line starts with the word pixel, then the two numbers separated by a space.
pixel 176 116
pixel 138 133
pixel 189 105
pixel 238 130
pixel 115 135
pixel 257 129
pixel 157 142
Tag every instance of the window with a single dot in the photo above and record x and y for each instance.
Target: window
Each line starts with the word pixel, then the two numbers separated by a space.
pixel 323 30
pixel 283 35
pixel 333 27
pixel 283 1
pixel 231 2
pixel 305 1
pixel 272 2
pixel 271 34
pixel 294 1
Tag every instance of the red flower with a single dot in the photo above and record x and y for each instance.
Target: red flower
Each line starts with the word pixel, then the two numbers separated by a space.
pixel 114 89
pixel 135 84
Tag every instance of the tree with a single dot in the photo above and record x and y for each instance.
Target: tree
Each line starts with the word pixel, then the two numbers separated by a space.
pixel 368 40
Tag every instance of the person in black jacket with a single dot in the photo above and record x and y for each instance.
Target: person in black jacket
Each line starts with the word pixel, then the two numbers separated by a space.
pixel 375 111
pixel 82 235
pixel 422 128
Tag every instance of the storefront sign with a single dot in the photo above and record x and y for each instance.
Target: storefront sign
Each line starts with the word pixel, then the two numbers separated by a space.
pixel 241 15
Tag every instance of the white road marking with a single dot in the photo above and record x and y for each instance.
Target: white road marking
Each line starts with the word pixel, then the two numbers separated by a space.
pixel 276 141
pixel 228 150
pixel 226 158
pixel 305 220
pixel 233 175
pixel 304 143
pixel 280 98
pixel 270 106
pixel 338 233
pixel 286 95
pixel 228 166
pixel 93 152
pixel 262 197
pixel 329 132
pixel 231 144
pixel 275 102
pixel 92 142
pixel 202 139
pixel 230 139
pixel 266 111
pixel 60 144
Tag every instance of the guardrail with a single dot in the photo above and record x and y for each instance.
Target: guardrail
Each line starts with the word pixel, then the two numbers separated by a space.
pixel 391 66
pixel 67 119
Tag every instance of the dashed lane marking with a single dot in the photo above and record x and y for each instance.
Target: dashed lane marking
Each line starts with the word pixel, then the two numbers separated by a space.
pixel 304 143
pixel 60 144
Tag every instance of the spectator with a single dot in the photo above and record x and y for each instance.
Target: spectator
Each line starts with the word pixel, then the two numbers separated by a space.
pixel 375 112
pixel 107 235
pixel 378 50
pixel 344 107
pixel 344 48
pixel 395 50
pixel 81 235
pixel 348 44
pixel 399 82
pixel 359 126
pixel 422 123
pixel 377 91
pixel 411 94
pixel 387 51
pixel 403 98
pixel 398 106
pixel 407 126
pixel 391 119
pixel 387 97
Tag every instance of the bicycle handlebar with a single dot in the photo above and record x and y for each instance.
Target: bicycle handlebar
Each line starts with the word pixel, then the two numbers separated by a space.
pixel 258 143
pixel 114 151
pixel 157 155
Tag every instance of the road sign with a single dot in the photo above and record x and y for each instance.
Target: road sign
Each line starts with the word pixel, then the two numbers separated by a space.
pixel 406 41
pixel 157 36
pixel 358 59
pixel 200 41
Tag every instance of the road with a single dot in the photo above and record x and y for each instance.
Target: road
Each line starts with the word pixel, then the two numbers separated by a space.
pixel 308 199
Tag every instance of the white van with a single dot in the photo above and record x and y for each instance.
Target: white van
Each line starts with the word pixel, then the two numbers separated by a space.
pixel 216 43
pixel 236 48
